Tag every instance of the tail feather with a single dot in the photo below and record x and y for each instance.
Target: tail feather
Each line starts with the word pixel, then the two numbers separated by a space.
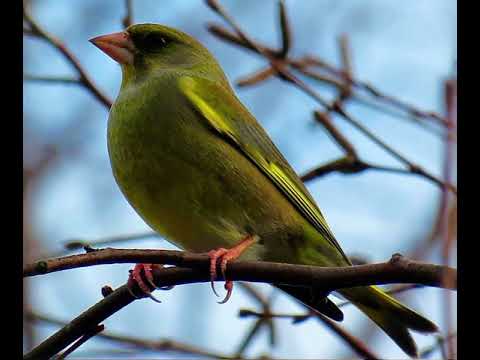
pixel 392 316
pixel 317 301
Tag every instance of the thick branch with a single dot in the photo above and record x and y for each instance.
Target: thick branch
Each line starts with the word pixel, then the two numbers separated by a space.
pixel 195 269
pixel 80 325
pixel 160 345
pixel 397 270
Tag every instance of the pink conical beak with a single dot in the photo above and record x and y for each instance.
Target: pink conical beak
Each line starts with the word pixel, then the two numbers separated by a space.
pixel 119 46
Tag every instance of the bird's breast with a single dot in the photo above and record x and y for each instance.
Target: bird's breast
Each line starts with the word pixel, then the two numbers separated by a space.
pixel 190 185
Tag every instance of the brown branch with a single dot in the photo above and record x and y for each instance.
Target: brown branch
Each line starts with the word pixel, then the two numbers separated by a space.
pixel 347 72
pixel 256 77
pixel 52 79
pixel 307 61
pixel 77 244
pixel 128 19
pixel 324 119
pixel 281 68
pixel 349 165
pixel 447 234
pixel 192 267
pixel 80 325
pixel 286 30
pixel 84 78
pixel 398 270
pixel 357 345
pixel 441 340
pixel 139 343
pixel 260 323
pixel 298 318
pixel 87 336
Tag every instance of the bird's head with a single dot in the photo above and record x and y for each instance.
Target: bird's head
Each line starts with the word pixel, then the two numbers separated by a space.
pixel 144 48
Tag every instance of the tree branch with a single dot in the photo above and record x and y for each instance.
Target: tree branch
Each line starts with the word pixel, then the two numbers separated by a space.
pixel 281 66
pixel 192 268
pixel 84 78
pixel 160 345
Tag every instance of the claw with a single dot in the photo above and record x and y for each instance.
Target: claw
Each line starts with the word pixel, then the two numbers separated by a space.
pixel 214 255
pixel 154 298
pixel 170 287
pixel 143 277
pixel 229 288
pixel 226 255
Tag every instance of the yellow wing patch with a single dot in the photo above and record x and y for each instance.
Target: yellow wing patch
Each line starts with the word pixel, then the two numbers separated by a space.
pixel 188 86
pixel 221 115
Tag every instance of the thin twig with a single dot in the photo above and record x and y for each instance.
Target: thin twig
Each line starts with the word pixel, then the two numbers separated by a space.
pixel 84 78
pixel 306 61
pixel 447 234
pixel 139 343
pixel 286 30
pixel 128 19
pixel 441 340
pixel 281 68
pixel 324 119
pixel 52 79
pixel 358 346
pixel 76 244
pixel 268 322
pixel 80 325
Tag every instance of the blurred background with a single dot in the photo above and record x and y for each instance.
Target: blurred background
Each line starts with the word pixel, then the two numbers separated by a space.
pixel 406 49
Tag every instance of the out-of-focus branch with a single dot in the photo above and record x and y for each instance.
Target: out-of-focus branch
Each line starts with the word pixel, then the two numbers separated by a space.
pixel 307 65
pixel 80 325
pixel 128 19
pixel 36 30
pixel 160 345
pixel 298 318
pixel 52 79
pixel 281 68
pixel 441 340
pixel 340 139
pixel 447 234
pixel 286 30
pixel 351 162
pixel 355 344
pixel 77 244
pixel 347 73
pixel 260 323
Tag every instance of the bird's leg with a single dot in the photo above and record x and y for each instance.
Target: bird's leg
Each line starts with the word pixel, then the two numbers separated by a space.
pixel 224 256
pixel 142 276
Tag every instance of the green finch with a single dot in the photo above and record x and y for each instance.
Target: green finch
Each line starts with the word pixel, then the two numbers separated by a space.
pixel 200 170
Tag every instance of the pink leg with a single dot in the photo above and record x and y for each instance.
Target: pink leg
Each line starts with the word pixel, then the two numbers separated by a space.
pixel 226 255
pixel 145 284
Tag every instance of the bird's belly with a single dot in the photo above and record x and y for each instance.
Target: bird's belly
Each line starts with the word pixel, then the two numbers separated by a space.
pixel 201 193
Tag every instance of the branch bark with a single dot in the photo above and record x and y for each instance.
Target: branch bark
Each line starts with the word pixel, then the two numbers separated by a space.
pixel 192 268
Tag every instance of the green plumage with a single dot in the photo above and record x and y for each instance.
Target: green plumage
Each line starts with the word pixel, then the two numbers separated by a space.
pixel 200 170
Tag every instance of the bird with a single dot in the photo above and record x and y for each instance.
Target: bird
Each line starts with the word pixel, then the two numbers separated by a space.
pixel 201 171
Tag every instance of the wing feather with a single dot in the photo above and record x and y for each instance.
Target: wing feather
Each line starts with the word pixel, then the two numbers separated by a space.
pixel 226 115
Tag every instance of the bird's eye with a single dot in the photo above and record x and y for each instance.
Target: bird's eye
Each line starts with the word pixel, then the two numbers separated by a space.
pixel 154 42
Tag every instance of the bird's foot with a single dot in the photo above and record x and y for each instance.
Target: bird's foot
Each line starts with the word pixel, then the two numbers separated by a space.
pixel 223 256
pixel 142 276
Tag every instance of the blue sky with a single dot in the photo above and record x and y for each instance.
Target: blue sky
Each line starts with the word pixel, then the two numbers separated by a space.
pixel 407 49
